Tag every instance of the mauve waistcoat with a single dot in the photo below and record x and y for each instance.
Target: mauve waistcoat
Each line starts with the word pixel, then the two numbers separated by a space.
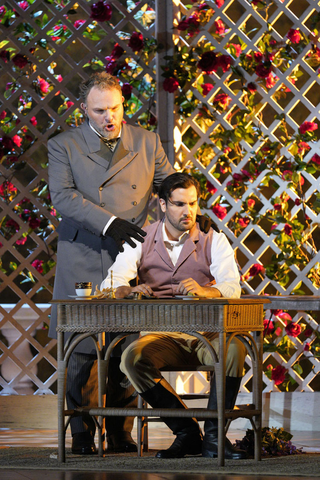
pixel 157 269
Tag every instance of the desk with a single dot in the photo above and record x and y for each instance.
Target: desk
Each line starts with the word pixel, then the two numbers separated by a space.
pixel 224 316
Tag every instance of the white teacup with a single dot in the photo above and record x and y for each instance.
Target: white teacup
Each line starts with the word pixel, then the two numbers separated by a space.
pixel 83 289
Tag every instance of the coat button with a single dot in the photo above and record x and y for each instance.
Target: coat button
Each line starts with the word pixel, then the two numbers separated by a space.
pixel 134 186
pixel 134 203
pixel 100 188
pixel 133 219
pixel 102 204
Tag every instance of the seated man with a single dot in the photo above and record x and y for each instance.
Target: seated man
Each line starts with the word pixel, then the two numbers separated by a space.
pixel 176 258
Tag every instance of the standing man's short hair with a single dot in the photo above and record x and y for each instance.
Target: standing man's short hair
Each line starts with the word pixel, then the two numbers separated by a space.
pixel 177 180
pixel 101 80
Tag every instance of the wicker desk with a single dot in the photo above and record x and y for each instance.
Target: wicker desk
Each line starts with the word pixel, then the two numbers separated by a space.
pixel 224 316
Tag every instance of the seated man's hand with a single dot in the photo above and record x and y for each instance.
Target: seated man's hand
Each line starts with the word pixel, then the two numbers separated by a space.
pixel 122 231
pixel 191 286
pixel 125 291
pixel 122 292
pixel 144 289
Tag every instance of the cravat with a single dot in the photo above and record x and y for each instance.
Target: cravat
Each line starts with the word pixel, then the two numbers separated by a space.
pixel 111 144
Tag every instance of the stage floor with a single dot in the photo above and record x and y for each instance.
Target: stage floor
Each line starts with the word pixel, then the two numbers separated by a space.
pixel 159 437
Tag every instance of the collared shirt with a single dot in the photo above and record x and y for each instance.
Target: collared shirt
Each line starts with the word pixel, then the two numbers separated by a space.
pixel 223 266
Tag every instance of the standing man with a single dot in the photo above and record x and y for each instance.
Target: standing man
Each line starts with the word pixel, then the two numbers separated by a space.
pixel 101 176
pixel 177 258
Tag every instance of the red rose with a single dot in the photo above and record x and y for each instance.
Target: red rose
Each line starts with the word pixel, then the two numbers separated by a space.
pixel 219 3
pixel 78 23
pixel 2 11
pixel 294 35
pixel 219 26
pixel 7 143
pixel 69 103
pixel 211 188
pixel 136 42
pixel 5 55
pixel 20 60
pixel 6 188
pixel 126 89
pixel 316 159
pixel 43 85
pixel 274 226
pixel 208 62
pixel 293 329
pixel 223 100
pixel 17 140
pixel 224 61
pixel 13 224
pixel 258 56
pixel 255 269
pixel 307 347
pixel 111 66
pixel 219 211
pixel 263 70
pixel 252 87
pixel 101 11
pixel 285 316
pixel 21 241
pixel 33 121
pixel 34 223
pixel 37 264
pixel 268 327
pixel 117 51
pixel 183 25
pixel 308 127
pixel 277 207
pixel 206 88
pixel 288 229
pixel 278 374
pixel 244 222
pixel 276 311
pixel 297 202
pixel 170 84
pixel 251 203
pixel 3 115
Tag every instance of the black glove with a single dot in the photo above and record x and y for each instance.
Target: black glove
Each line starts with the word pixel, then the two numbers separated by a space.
pixel 205 223
pixel 121 231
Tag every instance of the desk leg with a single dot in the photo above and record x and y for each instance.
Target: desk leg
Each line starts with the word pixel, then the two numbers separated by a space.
pixel 257 394
pixel 220 374
pixel 62 365
pixel 102 376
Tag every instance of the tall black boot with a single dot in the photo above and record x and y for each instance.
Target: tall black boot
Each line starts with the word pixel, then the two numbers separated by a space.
pixel 210 441
pixel 188 435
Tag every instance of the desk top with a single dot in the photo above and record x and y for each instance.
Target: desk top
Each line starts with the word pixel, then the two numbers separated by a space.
pixel 128 315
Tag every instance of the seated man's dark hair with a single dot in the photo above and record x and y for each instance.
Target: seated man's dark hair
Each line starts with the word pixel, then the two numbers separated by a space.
pixel 177 180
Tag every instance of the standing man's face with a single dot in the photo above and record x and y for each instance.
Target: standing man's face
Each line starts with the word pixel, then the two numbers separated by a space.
pixel 104 108
pixel 181 211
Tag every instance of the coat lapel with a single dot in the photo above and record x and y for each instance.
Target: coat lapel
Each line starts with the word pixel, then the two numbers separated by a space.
pixel 123 154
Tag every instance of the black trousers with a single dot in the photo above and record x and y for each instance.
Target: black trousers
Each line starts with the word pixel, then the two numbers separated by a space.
pixel 82 390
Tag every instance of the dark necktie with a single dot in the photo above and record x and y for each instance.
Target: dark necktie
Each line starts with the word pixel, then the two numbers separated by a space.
pixel 111 144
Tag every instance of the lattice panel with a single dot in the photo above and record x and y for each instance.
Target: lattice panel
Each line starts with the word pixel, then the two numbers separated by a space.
pixel 47 48
pixel 205 114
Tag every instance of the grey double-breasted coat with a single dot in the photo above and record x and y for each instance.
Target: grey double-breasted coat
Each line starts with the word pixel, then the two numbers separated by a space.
pixel 88 185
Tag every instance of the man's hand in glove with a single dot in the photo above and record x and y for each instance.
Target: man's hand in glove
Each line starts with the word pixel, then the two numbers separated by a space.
pixel 122 231
pixel 205 223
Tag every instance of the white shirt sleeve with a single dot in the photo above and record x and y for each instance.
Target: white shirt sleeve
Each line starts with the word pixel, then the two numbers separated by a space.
pixel 108 225
pixel 125 266
pixel 223 267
